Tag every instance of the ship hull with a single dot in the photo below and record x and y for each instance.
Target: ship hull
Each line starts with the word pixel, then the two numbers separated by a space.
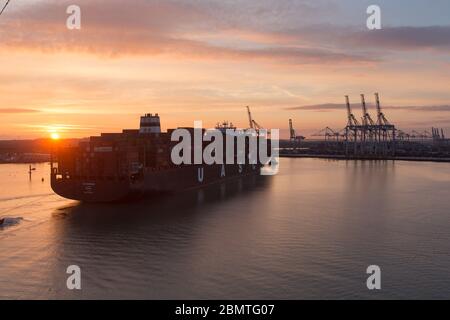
pixel 150 182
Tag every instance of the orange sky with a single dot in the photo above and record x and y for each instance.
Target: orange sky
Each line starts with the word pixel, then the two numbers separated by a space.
pixel 195 60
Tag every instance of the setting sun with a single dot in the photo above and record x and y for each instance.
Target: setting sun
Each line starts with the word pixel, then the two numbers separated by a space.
pixel 54 135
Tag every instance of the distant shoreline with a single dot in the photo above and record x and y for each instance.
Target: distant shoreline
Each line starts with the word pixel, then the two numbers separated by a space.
pixel 23 162
pixel 311 156
pixel 343 157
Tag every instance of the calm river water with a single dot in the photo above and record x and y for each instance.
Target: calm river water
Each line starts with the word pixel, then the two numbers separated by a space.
pixel 309 232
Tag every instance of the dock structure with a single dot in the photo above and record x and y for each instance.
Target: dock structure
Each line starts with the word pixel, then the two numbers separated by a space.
pixel 368 137
pixel 294 139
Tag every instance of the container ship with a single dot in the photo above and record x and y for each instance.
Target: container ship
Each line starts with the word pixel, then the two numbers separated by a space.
pixel 136 163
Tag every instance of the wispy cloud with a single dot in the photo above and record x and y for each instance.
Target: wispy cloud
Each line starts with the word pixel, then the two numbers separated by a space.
pixel 184 58
pixel 319 107
pixel 184 28
pixel 336 106
pixel 405 38
pixel 442 108
pixel 18 110
pixel 115 28
pixel 374 43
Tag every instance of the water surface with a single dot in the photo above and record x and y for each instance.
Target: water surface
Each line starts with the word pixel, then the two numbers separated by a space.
pixel 309 232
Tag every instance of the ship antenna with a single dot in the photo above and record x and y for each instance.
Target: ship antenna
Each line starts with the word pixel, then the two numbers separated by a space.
pixel 4 7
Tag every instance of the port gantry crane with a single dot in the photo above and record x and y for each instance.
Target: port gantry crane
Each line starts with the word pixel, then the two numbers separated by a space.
pixel 402 135
pixel 253 124
pixel 295 140
pixel 350 116
pixel 329 134
pixel 352 123
pixel 436 134
pixel 291 130
pixel 381 119
pixel 385 130
pixel 369 130
pixel 250 120
pixel 352 130
pixel 366 119
pixel 369 137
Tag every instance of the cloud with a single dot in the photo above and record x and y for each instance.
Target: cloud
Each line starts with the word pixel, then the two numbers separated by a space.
pixel 364 41
pixel 18 110
pixel 265 30
pixel 336 106
pixel 441 108
pixel 169 28
pixel 319 107
pixel 405 38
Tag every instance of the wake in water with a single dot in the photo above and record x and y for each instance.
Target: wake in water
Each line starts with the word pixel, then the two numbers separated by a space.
pixel 26 197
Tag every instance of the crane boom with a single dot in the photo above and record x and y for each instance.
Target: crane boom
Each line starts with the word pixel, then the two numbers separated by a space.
pixel 256 125
pixel 351 118
pixel 250 120
pixel 364 109
pixel 379 113
pixel 291 130
pixel 381 118
pixel 366 116
pixel 349 110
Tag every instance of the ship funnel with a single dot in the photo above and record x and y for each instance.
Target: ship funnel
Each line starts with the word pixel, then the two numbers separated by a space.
pixel 150 124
